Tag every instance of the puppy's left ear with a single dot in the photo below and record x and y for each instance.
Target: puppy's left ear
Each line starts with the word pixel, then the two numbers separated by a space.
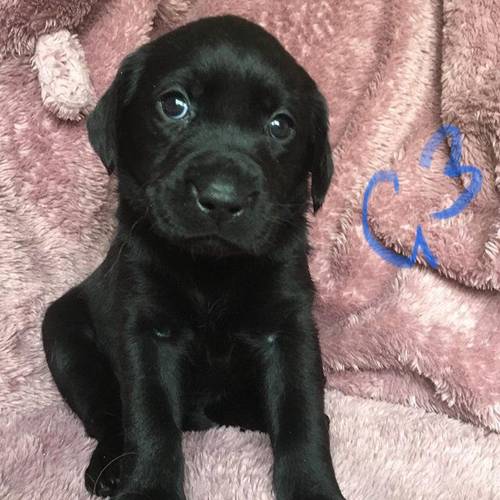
pixel 320 156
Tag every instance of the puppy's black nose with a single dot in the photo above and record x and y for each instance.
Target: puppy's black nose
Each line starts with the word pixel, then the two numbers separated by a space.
pixel 220 199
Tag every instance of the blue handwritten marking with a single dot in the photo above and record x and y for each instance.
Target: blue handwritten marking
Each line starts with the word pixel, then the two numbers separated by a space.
pixel 388 254
pixel 436 139
pixel 421 243
pixel 453 168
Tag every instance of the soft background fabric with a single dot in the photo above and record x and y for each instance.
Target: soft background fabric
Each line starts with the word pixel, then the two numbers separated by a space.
pixel 392 71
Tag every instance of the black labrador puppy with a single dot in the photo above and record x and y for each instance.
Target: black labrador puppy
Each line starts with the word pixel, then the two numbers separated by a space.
pixel 200 315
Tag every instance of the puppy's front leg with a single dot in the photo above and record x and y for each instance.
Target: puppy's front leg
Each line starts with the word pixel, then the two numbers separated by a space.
pixel 294 405
pixel 153 465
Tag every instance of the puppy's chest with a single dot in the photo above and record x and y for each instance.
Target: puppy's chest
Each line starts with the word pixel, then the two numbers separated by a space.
pixel 219 329
pixel 206 326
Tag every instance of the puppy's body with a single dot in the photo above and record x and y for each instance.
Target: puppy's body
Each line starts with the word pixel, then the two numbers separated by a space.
pixel 200 314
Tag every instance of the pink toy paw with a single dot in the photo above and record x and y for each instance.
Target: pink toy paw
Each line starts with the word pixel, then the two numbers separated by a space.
pixel 64 76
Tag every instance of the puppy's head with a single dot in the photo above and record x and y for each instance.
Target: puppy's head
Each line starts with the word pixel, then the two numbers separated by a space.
pixel 214 129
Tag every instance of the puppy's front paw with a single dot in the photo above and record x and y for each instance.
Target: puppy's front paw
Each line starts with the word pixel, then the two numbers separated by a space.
pixel 331 496
pixel 305 493
pixel 148 495
pixel 137 495
pixel 130 496
pixel 316 483
pixel 318 496
pixel 102 477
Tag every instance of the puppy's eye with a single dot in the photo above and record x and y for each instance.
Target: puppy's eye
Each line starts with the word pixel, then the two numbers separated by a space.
pixel 281 126
pixel 175 105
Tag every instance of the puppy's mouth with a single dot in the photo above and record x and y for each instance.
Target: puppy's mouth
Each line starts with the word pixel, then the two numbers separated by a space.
pixel 205 241
pixel 212 245
pixel 178 220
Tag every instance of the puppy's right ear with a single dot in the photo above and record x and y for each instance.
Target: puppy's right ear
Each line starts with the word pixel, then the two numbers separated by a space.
pixel 103 122
pixel 102 127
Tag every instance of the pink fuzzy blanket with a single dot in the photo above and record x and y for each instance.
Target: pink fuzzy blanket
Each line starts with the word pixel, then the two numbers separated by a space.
pixel 392 73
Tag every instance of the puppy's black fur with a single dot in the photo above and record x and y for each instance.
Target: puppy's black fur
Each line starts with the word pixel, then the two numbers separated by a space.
pixel 200 314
